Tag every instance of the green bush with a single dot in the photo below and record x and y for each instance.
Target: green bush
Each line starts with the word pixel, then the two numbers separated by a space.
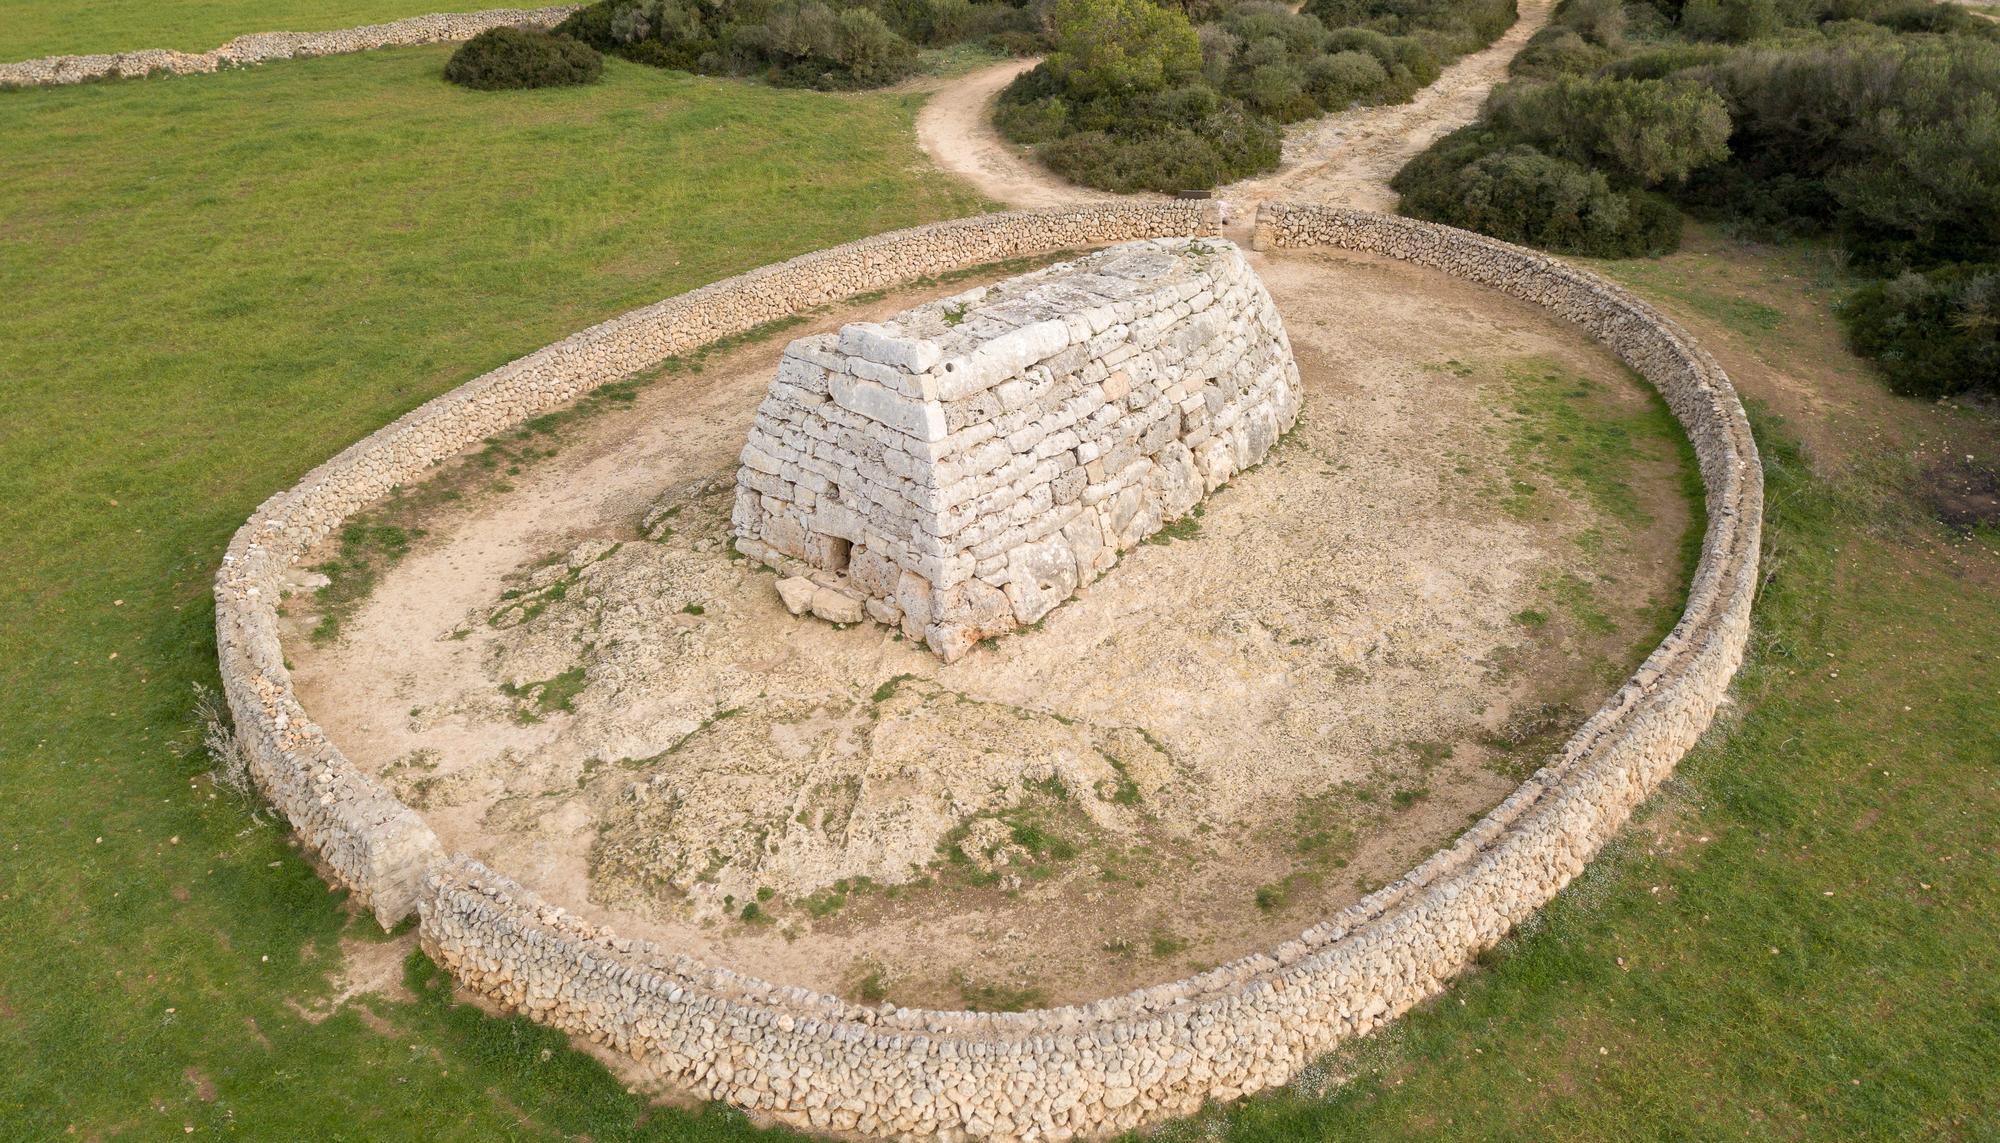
pixel 1643 131
pixel 1516 193
pixel 1931 334
pixel 1558 51
pixel 927 21
pixel 1346 77
pixel 1411 65
pixel 1730 21
pixel 802 43
pixel 1120 48
pixel 504 58
pixel 1450 28
pixel 1225 147
pixel 1584 36
pixel 1893 142
pixel 1665 60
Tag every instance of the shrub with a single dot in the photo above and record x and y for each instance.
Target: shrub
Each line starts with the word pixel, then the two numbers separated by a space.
pixel 1411 65
pixel 1600 22
pixel 1134 98
pixel 1226 146
pixel 1121 47
pixel 1002 27
pixel 1278 90
pixel 1555 52
pixel 927 21
pixel 1518 194
pixel 1036 122
pixel 807 43
pixel 1931 334
pixel 1731 21
pixel 504 58
pixel 870 52
pixel 1892 141
pixel 1342 78
pixel 1449 27
pixel 1661 62
pixel 1645 131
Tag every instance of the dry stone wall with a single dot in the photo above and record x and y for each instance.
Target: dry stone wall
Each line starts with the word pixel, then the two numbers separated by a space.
pixel 264 47
pixel 968 465
pixel 816 1061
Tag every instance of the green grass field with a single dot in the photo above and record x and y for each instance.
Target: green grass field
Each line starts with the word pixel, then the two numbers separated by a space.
pixel 31 28
pixel 212 284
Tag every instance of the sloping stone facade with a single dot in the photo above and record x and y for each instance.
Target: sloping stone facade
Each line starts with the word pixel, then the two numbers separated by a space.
pixel 966 466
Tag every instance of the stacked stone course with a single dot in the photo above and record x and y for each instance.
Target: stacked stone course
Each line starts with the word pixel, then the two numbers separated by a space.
pixel 970 464
pixel 264 47
pixel 813 1060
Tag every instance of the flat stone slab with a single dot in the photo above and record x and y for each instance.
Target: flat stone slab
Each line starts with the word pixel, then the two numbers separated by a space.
pixel 966 466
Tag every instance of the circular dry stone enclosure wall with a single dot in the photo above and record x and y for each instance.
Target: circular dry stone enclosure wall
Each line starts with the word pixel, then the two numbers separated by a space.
pixel 815 1061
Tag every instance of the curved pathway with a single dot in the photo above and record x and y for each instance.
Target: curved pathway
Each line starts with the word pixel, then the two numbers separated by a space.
pixel 1346 158
pixel 955 128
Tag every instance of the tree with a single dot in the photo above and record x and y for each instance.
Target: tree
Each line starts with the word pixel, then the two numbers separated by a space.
pixel 1121 48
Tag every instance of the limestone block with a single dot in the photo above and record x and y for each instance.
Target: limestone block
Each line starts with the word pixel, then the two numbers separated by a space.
pixel 875 572
pixel 797 593
pixel 785 534
pixel 1180 483
pixel 1040 575
pixel 1085 537
pixel 835 606
pixel 966 614
pixel 872 342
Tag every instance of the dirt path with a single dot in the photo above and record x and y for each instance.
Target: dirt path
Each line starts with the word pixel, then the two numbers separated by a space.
pixel 956 130
pixel 1346 158
pixel 1349 158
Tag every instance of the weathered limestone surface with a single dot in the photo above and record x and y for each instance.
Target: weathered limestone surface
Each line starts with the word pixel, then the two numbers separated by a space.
pixel 966 466
pixel 263 47
pixel 816 1061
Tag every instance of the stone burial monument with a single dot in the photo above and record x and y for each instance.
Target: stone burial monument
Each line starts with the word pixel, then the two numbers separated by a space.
pixel 967 465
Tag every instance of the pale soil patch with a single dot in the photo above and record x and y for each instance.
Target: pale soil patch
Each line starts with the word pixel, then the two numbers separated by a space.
pixel 367 968
pixel 1328 679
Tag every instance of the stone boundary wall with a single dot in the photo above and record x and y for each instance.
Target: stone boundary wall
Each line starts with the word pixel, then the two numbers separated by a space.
pixel 813 1060
pixel 263 47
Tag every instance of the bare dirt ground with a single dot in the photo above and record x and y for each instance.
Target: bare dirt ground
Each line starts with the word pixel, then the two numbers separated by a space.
pixel 1346 158
pixel 1358 647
